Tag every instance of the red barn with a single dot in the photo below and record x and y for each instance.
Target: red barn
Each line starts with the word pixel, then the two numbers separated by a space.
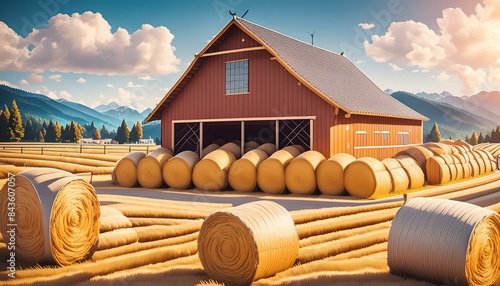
pixel 251 83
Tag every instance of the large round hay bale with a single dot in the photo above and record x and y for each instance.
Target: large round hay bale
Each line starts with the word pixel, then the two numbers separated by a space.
pixel 330 174
pixel 242 174
pixel 250 145
pixel 489 161
pixel 295 150
pixel 445 242
pixel 475 166
pixel 399 178
pixel 480 161
pixel 462 164
pixel 438 171
pixel 210 173
pixel 233 148
pixel 126 169
pixel 271 172
pixel 367 177
pixel 241 244
pixel 300 174
pixel 149 169
pixel 415 174
pixel 438 148
pixel 57 216
pixel 269 148
pixel 419 153
pixel 450 161
pixel 205 151
pixel 177 172
pixel 464 144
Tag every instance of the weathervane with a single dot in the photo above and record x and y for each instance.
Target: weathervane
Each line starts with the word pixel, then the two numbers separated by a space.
pixel 312 38
pixel 233 13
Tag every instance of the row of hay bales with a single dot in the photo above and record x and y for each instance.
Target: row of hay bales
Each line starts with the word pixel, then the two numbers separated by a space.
pixel 303 172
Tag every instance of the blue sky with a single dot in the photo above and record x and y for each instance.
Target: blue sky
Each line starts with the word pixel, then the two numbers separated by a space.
pixel 131 52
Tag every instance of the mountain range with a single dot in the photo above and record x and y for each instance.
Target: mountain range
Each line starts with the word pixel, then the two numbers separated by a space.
pixel 456 116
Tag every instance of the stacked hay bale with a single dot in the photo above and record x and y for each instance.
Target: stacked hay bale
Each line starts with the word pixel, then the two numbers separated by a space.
pixel 125 172
pixel 149 168
pixel 367 177
pixel 465 242
pixel 300 174
pixel 242 174
pixel 399 178
pixel 271 172
pixel 177 171
pixel 415 174
pixel 59 217
pixel 330 174
pixel 239 245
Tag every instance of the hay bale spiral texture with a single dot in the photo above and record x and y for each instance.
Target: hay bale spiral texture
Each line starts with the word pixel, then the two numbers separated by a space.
pixel 300 174
pixel 367 177
pixel 445 242
pixel 242 174
pixel 149 169
pixel 241 244
pixel 330 174
pixel 177 171
pixel 57 216
pixel 126 169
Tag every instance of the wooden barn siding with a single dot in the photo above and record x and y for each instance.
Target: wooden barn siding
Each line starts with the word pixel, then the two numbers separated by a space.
pixel 345 139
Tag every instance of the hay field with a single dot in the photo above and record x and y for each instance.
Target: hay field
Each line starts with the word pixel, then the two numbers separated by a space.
pixel 150 239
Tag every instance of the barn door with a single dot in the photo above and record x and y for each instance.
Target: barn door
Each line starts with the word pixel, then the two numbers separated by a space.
pixel 295 132
pixel 186 137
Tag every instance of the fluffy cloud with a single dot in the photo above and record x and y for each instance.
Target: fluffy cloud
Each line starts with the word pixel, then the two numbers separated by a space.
pixel 81 80
pixel 466 46
pixel 56 77
pixel 395 67
pixel 131 85
pixel 32 78
pixel 366 26
pixel 65 95
pixel 84 43
pixel 110 85
pixel 146 77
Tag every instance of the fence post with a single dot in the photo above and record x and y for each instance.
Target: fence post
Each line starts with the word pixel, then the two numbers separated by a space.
pixel 147 149
pixel 42 150
pixel 104 149
pixel 21 150
pixel 130 148
pixel 81 147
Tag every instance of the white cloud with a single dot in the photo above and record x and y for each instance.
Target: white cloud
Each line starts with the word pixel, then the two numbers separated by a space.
pixel 101 96
pixel 81 80
pixel 56 77
pixel 360 62
pixel 395 67
pixel 415 70
pixel 464 46
pixel 23 82
pixel 131 85
pixel 52 95
pixel 110 85
pixel 443 76
pixel 32 78
pixel 366 26
pixel 85 43
pixel 65 95
pixel 146 77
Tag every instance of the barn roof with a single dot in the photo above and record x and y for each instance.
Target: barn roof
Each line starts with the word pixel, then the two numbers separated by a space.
pixel 331 76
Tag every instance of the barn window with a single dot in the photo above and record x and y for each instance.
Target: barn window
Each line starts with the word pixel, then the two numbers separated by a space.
pixel 381 137
pixel 403 138
pixel 361 138
pixel 237 77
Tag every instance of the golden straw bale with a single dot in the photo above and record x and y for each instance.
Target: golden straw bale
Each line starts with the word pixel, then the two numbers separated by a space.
pixel 210 173
pixel 300 174
pixel 242 174
pixel 269 148
pixel 233 148
pixel 149 169
pixel 419 153
pixel 239 245
pixel 300 148
pixel 126 169
pixel 116 238
pixel 438 172
pixel 295 150
pixel 480 161
pixel 112 219
pixel 445 241
pixel 330 174
pixel 474 165
pixel 58 216
pixel 450 161
pixel 367 177
pixel 250 146
pixel 271 172
pixel 177 171
pixel 438 148
pixel 399 178
pixel 416 175
pixel 464 144
pixel 489 161
pixel 208 149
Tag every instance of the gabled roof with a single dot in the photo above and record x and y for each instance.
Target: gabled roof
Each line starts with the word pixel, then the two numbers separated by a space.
pixel 331 76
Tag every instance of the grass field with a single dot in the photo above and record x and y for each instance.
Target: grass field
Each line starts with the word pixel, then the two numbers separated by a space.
pixel 155 242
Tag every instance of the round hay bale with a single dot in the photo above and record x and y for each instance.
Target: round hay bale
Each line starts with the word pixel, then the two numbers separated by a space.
pixel 271 172
pixel 438 148
pixel 415 174
pixel 177 172
pixel 445 242
pixel 149 169
pixel 293 150
pixel 474 164
pixel 330 174
pixel 450 161
pixel 399 178
pixel 233 148
pixel 464 144
pixel 438 171
pixel 57 216
pixel 242 174
pixel 126 169
pixel 208 149
pixel 300 174
pixel 269 148
pixel 250 146
pixel 488 159
pixel 462 166
pixel 480 161
pixel 419 153
pixel 367 177
pixel 239 245
pixel 210 173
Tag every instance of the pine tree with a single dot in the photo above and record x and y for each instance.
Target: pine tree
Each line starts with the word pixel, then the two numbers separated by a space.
pixel 50 135
pixel 104 132
pixel 467 139
pixel 41 136
pixel 139 130
pixel 123 133
pixel 474 138
pixel 495 135
pixel 4 125
pixel 435 135
pixel 15 123
pixel 487 138
pixel 30 133
pixel 480 139
pixel 58 131
pixel 97 134
pixel 76 131
pixel 136 132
